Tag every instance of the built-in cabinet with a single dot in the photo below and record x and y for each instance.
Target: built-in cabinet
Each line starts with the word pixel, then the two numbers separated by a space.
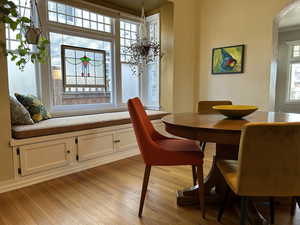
pixel 95 145
pixel 40 157
pixel 75 151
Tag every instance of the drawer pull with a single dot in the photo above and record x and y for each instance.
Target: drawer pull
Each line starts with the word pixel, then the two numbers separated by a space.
pixel 117 141
pixel 68 152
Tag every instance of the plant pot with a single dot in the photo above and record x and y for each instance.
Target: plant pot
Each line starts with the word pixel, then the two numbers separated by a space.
pixel 32 35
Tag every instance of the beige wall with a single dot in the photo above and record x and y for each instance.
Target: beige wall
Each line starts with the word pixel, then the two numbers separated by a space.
pixel 6 162
pixel 185 29
pixel 232 22
pixel 178 80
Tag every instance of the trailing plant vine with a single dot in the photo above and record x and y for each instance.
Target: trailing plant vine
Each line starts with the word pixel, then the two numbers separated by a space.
pixel 23 53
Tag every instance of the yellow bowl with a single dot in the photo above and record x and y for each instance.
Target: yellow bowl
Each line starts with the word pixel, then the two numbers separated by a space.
pixel 235 111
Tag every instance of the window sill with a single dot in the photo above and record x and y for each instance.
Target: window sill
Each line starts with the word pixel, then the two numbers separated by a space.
pixel 78 110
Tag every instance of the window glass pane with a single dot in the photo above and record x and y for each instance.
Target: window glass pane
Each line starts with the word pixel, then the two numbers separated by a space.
pixel 150 82
pixel 295 82
pixel 52 6
pixel 130 83
pixel 22 82
pixel 296 51
pixel 80 94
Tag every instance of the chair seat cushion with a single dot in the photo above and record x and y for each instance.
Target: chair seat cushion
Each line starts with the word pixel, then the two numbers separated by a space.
pixel 77 123
pixel 178 145
pixel 178 152
pixel 229 170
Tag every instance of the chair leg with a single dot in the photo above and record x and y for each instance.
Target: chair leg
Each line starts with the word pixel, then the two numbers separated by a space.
pixel 194 171
pixel 202 146
pixel 298 201
pixel 293 206
pixel 272 210
pixel 144 189
pixel 201 189
pixel 224 204
pixel 244 206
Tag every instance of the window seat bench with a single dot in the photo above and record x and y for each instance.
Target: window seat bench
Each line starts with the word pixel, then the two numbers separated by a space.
pixel 77 123
pixel 61 146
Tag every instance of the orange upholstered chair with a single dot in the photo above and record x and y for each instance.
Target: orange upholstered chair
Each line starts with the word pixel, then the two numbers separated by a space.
pixel 158 150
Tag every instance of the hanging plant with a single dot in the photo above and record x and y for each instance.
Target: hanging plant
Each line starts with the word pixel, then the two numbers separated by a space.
pixel 28 34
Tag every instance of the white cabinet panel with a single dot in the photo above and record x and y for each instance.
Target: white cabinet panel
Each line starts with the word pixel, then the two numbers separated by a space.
pixel 95 145
pixel 47 155
pixel 125 140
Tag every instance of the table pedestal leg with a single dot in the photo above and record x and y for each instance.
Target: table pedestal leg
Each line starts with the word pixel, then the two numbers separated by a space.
pixel 215 186
pixel 214 182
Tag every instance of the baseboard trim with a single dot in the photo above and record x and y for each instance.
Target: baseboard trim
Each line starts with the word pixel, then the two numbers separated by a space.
pixel 25 181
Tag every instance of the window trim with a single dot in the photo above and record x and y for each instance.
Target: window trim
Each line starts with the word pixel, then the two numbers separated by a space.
pixel 46 83
pixel 291 60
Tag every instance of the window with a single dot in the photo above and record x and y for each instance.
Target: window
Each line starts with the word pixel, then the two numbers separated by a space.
pixel 294 78
pixel 130 83
pixel 24 82
pixel 65 14
pixel 151 80
pixel 80 94
pixel 88 68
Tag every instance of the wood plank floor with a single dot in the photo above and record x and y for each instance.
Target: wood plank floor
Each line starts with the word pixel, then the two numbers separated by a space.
pixel 109 195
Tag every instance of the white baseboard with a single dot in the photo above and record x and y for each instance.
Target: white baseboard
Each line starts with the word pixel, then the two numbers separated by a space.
pixel 25 181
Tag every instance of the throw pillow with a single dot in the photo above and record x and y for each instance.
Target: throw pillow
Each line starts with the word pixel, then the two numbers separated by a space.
pixel 19 115
pixel 35 107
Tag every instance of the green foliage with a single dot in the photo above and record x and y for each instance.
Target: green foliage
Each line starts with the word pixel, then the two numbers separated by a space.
pixel 9 15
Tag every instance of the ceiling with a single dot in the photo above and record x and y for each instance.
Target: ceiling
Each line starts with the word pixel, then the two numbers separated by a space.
pixel 131 6
pixel 291 18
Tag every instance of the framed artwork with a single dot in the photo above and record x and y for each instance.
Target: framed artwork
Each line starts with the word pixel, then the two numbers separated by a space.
pixel 228 60
pixel 83 68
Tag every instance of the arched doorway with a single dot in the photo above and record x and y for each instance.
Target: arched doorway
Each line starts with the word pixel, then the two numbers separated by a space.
pixel 285 70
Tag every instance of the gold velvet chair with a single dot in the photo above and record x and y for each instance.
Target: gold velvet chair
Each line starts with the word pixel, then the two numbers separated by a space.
pixel 268 163
pixel 205 107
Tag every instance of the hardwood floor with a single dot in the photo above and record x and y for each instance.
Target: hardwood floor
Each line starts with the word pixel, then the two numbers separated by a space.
pixel 109 195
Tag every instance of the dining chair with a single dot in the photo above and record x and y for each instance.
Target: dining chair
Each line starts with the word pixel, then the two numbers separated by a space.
pixel 158 150
pixel 206 107
pixel 267 165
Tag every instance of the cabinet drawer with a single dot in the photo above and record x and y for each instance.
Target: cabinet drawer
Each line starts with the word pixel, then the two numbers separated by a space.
pixel 125 140
pixel 95 145
pixel 44 156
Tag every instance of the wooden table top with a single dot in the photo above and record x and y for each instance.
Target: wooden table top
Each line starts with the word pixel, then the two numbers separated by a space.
pixel 219 122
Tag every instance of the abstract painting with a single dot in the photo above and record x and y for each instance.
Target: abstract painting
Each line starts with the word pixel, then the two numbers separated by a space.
pixel 228 60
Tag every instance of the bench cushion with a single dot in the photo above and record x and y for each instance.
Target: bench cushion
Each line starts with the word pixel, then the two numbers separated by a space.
pixel 77 123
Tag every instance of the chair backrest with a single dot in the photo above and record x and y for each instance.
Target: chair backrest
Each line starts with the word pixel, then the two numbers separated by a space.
pixel 143 128
pixel 205 107
pixel 269 160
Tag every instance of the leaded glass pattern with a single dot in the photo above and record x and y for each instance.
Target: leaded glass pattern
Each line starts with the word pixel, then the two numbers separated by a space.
pixel 66 14
pixel 23 8
pixel 83 69
pixel 128 36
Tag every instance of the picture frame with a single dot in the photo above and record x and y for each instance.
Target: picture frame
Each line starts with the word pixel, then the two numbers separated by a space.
pixel 228 60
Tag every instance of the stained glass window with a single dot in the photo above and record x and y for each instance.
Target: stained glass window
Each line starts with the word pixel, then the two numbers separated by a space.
pixel 83 69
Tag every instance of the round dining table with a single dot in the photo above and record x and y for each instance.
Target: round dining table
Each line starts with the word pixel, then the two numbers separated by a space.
pixel 225 133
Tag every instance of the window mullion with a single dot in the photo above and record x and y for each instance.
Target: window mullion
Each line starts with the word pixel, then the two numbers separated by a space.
pixel 118 73
pixel 46 92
